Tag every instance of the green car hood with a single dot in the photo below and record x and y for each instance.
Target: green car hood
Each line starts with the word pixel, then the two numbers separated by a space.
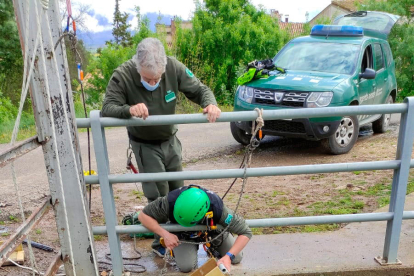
pixel 300 81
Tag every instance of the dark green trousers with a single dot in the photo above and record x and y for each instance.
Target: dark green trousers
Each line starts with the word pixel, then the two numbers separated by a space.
pixel 164 157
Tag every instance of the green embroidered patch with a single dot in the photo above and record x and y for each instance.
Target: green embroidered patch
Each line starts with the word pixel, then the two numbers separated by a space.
pixel 170 96
pixel 189 73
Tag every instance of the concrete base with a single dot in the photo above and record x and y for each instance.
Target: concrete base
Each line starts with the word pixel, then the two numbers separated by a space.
pixel 348 251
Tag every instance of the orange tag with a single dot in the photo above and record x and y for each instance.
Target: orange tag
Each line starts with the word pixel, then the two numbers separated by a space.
pixel 260 134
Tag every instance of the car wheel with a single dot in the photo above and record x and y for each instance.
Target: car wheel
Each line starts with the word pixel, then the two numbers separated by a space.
pixel 344 137
pixel 240 135
pixel 381 125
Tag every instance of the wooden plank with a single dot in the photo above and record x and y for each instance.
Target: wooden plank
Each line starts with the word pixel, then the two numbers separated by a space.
pixel 17 256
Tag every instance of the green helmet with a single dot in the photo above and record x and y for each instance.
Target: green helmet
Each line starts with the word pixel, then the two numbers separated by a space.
pixel 191 206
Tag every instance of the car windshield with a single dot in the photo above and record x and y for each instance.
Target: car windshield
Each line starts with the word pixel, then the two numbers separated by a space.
pixel 316 56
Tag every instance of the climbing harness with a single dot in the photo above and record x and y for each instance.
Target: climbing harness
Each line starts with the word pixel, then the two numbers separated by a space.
pixel 258 70
pixel 257 125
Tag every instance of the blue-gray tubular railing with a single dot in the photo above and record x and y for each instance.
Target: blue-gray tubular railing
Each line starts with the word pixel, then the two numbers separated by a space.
pixel 401 166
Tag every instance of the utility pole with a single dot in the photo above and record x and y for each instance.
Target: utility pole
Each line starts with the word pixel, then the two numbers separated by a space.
pixel 52 101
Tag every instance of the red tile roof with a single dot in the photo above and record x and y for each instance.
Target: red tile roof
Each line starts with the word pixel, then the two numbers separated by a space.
pixel 293 29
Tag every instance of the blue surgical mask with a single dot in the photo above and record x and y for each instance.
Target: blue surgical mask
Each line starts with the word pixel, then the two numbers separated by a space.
pixel 149 86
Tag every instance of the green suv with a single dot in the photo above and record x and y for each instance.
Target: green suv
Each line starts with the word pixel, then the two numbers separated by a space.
pixel 348 63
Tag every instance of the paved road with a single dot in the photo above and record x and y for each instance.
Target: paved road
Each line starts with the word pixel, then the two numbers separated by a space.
pixel 198 140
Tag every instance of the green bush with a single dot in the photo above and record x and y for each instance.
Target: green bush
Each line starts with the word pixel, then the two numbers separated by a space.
pixel 226 35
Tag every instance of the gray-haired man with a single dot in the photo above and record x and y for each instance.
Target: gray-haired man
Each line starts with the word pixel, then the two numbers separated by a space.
pixel 147 85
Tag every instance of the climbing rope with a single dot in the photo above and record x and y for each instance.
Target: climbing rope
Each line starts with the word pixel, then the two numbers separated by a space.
pixel 254 143
pixel 78 60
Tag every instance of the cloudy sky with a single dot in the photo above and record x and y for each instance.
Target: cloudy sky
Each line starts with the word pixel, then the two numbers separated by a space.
pixel 100 19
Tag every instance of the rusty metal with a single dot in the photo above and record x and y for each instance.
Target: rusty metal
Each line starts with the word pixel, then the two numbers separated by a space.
pixel 55 264
pixel 10 245
pixel 18 150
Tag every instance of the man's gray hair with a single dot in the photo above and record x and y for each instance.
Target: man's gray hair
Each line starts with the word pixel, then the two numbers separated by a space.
pixel 151 56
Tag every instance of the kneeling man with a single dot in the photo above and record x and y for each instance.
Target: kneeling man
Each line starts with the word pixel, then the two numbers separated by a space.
pixel 188 207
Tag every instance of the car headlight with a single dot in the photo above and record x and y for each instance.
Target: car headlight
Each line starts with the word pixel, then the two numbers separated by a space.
pixel 319 99
pixel 245 93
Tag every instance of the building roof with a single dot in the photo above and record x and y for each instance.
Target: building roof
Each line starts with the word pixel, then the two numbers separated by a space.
pixel 346 4
pixel 294 29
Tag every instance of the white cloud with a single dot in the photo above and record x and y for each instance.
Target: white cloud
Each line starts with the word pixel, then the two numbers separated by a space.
pixel 93 25
pixel 296 9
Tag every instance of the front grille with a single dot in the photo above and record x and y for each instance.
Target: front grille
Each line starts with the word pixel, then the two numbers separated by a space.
pixel 284 126
pixel 290 98
pixel 296 99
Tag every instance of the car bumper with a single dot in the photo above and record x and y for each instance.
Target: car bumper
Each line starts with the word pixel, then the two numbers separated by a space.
pixel 300 128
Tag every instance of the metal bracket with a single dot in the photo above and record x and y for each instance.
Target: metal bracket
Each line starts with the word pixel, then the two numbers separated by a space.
pixel 384 262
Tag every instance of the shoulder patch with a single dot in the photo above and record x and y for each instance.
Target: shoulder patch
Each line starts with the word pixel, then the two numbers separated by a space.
pixel 189 73
pixel 115 80
pixel 228 219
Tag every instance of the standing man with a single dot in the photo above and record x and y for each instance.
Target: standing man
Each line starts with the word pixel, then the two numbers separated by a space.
pixel 190 206
pixel 147 85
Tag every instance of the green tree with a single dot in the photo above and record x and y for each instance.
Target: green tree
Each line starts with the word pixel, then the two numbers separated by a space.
pixel 226 35
pixel 11 60
pixel 120 30
pixel 401 40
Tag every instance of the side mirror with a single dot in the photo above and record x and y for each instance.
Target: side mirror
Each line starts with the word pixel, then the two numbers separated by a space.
pixel 369 74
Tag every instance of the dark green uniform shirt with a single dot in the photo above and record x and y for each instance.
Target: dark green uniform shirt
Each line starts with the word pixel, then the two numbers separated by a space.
pixel 159 210
pixel 125 89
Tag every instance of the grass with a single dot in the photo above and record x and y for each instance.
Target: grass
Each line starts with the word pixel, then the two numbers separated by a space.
pixel 348 201
pixel 339 205
pixel 98 237
pixel 38 231
pixel 137 194
pixel 27 129
pixel 13 218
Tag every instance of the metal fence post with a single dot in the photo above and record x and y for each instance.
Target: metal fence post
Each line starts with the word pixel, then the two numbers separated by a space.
pixel 399 186
pixel 107 193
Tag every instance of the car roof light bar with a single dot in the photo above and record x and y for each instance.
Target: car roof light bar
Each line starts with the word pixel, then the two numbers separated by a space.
pixel 335 30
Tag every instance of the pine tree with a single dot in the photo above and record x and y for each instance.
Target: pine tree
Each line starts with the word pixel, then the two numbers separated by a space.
pixel 120 27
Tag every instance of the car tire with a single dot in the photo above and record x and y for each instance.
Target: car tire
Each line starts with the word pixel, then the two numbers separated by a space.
pixel 240 135
pixel 344 137
pixel 381 125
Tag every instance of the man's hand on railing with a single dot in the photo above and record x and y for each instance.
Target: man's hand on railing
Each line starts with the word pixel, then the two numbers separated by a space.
pixel 139 110
pixel 213 112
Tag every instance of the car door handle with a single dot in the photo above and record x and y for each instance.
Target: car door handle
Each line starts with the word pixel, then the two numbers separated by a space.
pixel 373 85
pixel 385 79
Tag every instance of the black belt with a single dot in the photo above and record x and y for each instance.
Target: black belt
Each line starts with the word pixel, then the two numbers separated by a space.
pixel 151 142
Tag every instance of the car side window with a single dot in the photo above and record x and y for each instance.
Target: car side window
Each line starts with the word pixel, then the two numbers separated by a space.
pixel 379 57
pixel 367 59
pixel 388 53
